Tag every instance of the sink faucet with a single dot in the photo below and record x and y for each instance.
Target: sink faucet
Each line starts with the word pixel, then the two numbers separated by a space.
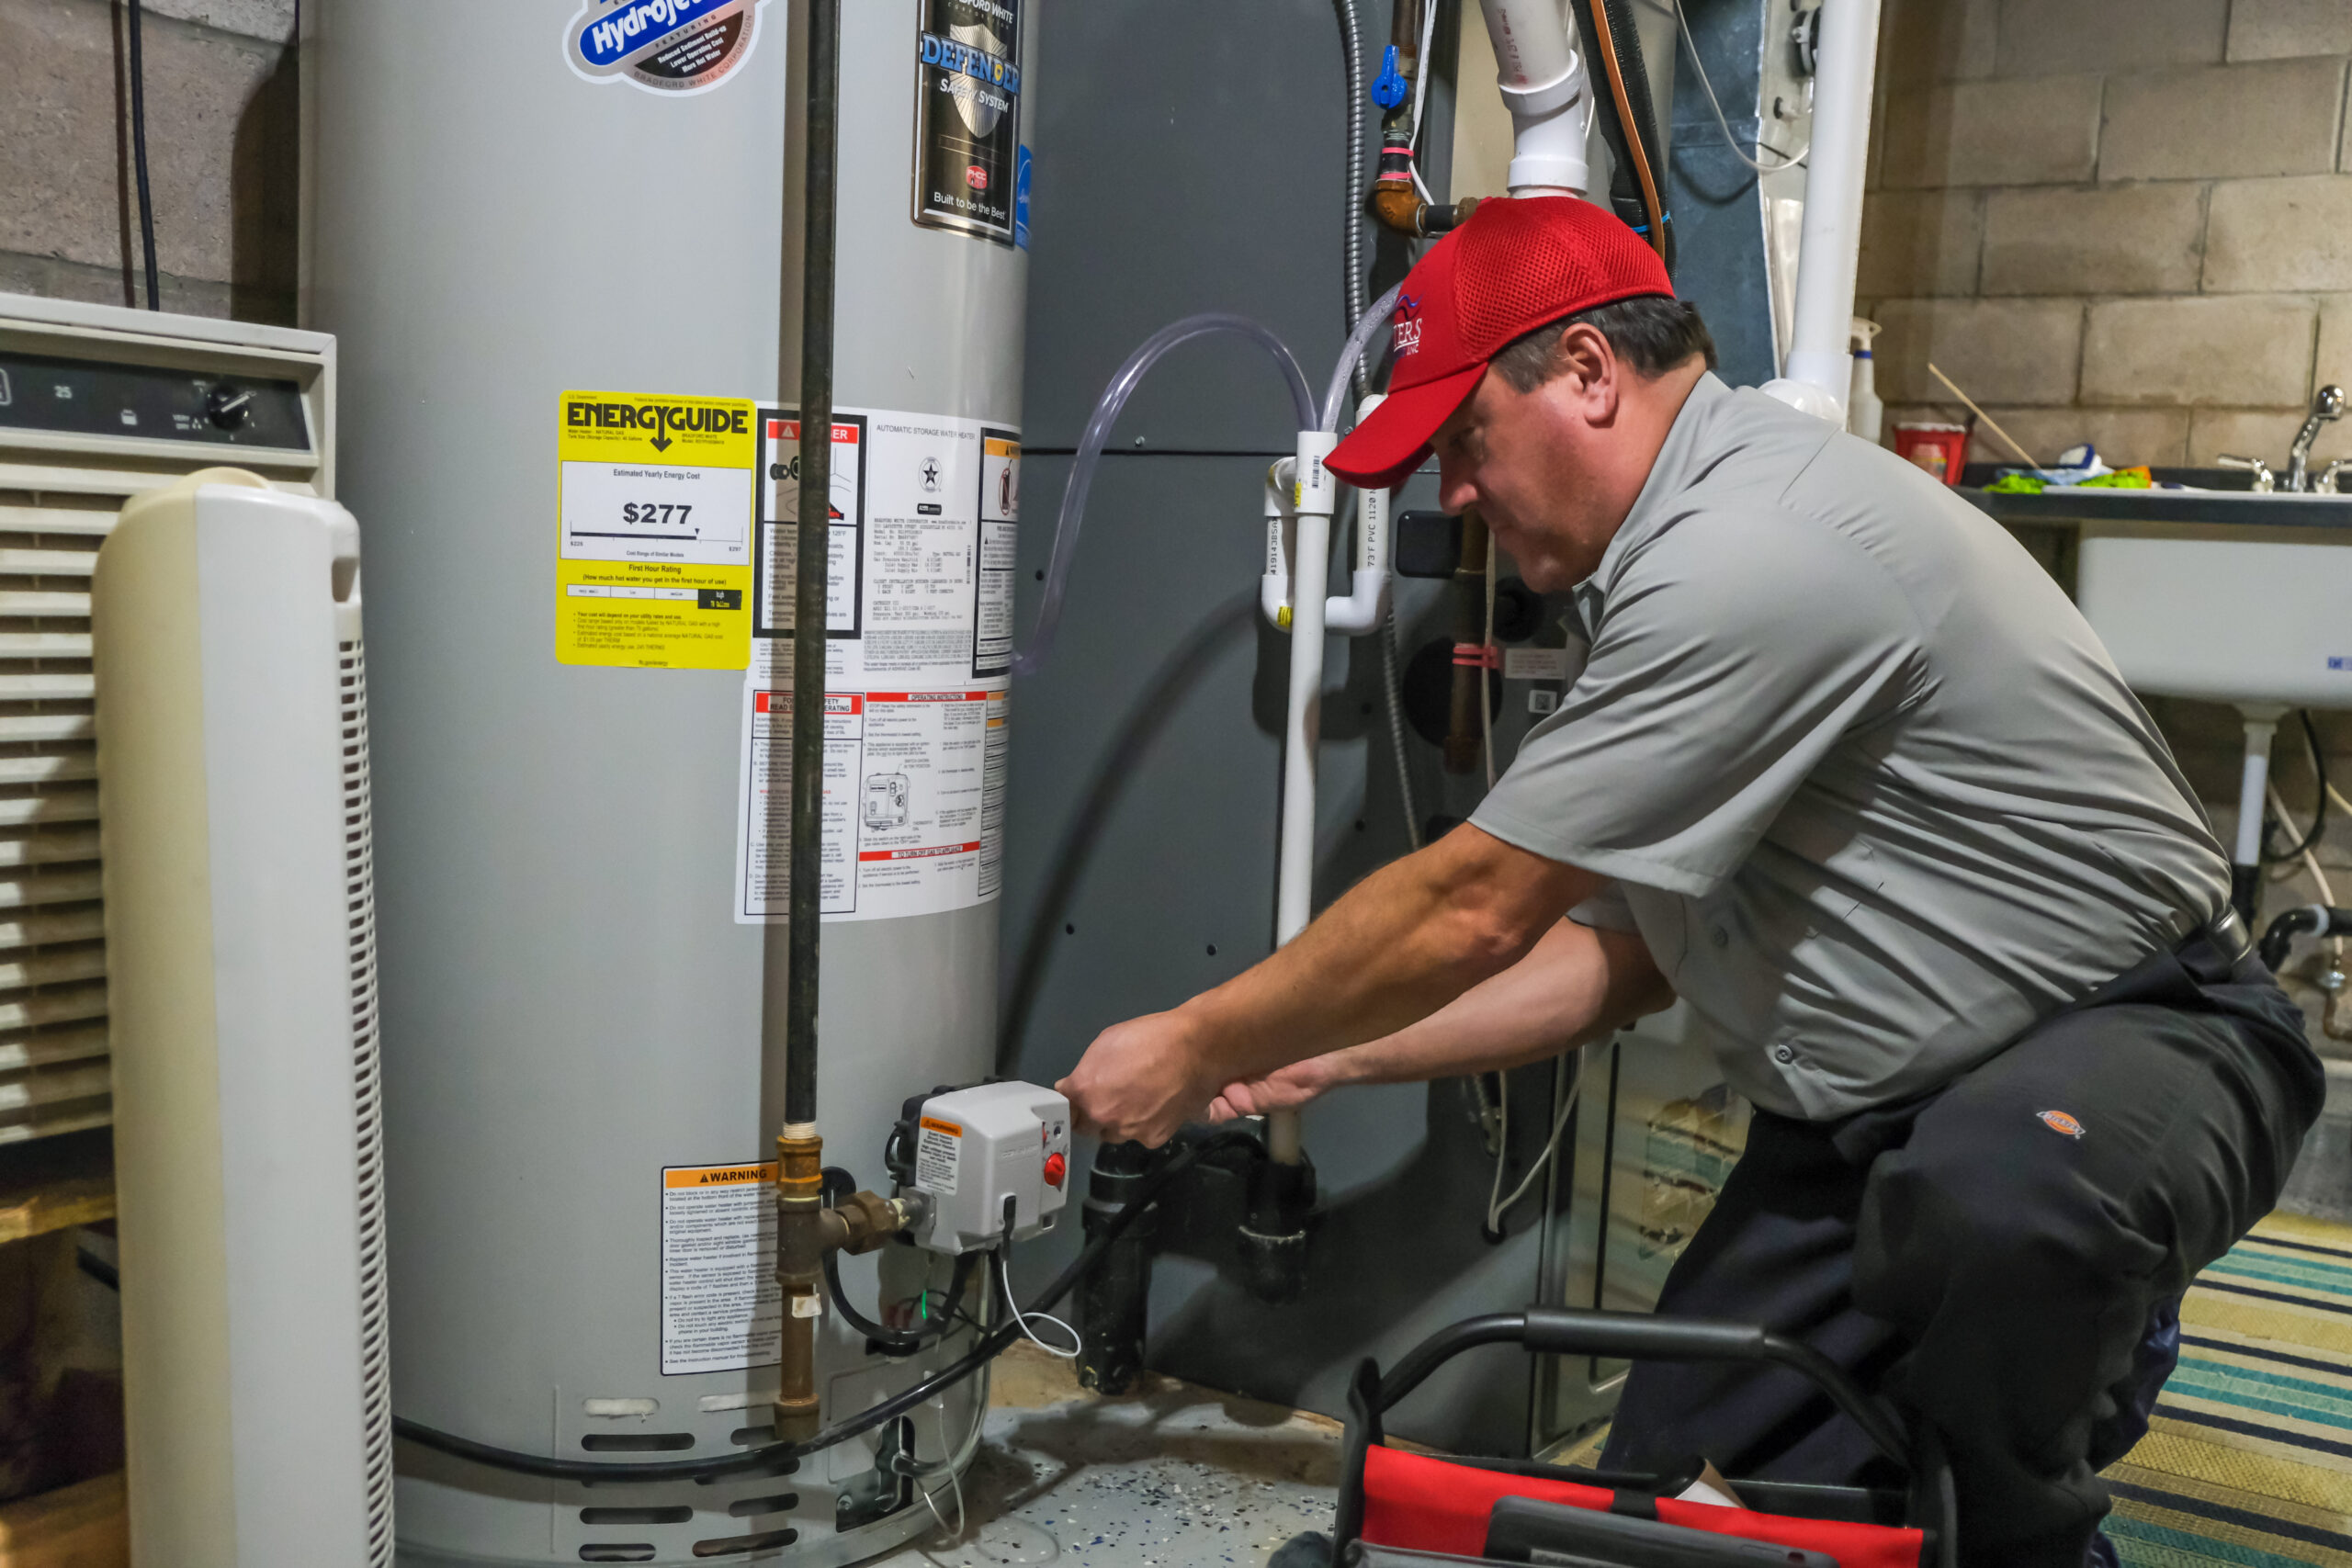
pixel 2326 407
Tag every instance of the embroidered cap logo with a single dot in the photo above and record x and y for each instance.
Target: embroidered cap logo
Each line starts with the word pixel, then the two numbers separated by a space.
pixel 1406 338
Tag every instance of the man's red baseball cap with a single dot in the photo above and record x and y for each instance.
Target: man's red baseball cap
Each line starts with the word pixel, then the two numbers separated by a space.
pixel 1516 265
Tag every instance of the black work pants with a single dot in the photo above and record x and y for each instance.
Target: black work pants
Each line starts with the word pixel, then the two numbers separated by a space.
pixel 1992 1256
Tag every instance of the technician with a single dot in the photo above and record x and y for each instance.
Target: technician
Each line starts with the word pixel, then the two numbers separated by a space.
pixel 1847 773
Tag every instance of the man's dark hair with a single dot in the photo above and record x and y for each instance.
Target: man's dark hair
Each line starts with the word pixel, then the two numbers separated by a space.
pixel 1650 332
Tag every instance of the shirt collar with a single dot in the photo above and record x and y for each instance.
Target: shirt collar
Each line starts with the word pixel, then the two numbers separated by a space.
pixel 1668 476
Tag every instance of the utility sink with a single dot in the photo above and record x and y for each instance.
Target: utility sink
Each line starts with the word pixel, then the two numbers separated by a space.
pixel 2231 596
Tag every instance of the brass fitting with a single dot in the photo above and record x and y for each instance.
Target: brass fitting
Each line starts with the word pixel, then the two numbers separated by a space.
pixel 806 1232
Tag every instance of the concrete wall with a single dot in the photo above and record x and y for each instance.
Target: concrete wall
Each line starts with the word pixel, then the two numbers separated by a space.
pixel 2127 222
pixel 2124 221
pixel 222 158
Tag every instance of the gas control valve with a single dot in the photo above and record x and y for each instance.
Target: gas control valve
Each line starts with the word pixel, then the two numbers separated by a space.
pixel 983 1157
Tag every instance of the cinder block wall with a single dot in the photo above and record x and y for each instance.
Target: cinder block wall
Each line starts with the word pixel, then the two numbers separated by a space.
pixel 2127 222
pixel 2124 221
pixel 223 127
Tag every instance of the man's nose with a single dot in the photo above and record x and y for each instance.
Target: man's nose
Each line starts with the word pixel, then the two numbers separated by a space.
pixel 1455 492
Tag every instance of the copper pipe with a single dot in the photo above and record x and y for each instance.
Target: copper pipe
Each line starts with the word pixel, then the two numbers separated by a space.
pixel 1465 729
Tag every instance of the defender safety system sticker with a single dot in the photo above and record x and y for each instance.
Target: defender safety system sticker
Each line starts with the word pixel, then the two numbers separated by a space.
pixel 662 46
pixel 968 115
pixel 653 531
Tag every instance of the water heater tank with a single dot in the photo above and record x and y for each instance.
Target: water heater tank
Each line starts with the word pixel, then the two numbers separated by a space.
pixel 558 241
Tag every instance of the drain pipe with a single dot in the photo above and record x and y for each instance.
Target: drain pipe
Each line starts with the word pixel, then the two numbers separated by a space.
pixel 1281 1185
pixel 1819 373
pixel 800 1150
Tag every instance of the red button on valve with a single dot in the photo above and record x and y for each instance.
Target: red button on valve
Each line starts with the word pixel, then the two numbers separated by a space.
pixel 1055 1168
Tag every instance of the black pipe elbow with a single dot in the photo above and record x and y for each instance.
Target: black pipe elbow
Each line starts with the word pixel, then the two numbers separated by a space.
pixel 2315 918
pixel 1273 1239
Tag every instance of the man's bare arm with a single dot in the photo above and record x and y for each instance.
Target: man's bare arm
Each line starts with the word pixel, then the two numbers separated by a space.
pixel 1403 942
pixel 1576 986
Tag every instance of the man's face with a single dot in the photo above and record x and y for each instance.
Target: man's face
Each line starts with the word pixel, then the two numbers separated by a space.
pixel 1512 455
pixel 1553 472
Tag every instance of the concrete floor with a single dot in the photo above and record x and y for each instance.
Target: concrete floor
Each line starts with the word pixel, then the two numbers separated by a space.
pixel 1169 1476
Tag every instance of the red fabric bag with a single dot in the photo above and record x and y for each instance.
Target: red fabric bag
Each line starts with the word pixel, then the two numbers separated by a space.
pixel 1419 1504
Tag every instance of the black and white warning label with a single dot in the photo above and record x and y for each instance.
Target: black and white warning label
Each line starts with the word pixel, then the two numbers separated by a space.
pixel 939 1150
pixel 721 1308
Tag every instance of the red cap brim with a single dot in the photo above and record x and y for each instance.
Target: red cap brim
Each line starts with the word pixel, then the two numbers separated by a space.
pixel 1390 444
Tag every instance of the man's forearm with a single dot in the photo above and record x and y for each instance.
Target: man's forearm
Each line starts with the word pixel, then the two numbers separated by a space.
pixel 1403 943
pixel 1575 986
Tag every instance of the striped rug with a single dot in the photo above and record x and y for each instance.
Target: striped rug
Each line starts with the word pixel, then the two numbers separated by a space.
pixel 2249 1459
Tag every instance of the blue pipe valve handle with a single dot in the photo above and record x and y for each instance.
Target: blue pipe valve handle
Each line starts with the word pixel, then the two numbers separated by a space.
pixel 1391 88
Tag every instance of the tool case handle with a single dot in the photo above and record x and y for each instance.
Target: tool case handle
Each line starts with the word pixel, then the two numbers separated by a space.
pixel 1641 1336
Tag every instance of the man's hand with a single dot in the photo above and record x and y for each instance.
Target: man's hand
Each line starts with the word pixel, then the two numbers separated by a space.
pixel 1285 1088
pixel 1140 1081
pixel 1400 944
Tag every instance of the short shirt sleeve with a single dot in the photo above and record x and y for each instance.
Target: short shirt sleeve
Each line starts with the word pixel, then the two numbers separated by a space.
pixel 1734 651
pixel 1607 910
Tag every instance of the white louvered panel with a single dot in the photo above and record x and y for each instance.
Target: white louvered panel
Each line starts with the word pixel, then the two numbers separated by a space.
pixel 44 645
pixel 50 1121
pixel 61 767
pixel 47 563
pixel 27 687
pixel 64 806
pixel 69 887
pixel 44 928
pixel 41 601
pixel 79 726
pixel 31 1009
pixel 51 1086
pixel 52 968
pixel 53 962
pixel 80 1043
pixel 51 848
pixel 93 519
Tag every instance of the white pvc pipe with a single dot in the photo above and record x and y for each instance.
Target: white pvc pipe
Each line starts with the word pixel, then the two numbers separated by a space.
pixel 1365 604
pixel 1819 372
pixel 1543 83
pixel 1314 492
pixel 2254 779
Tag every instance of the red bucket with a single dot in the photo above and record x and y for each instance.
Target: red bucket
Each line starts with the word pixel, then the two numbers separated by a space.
pixel 1941 450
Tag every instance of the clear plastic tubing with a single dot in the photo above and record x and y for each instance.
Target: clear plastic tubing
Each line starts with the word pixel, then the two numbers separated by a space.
pixel 1372 320
pixel 1031 658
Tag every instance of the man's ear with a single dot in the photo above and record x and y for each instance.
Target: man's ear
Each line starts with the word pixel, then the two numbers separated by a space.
pixel 1584 354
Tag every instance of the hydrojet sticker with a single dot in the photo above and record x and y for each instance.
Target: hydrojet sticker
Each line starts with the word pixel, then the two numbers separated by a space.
pixel 662 46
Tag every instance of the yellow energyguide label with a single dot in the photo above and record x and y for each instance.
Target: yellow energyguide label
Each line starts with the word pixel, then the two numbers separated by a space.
pixel 654 516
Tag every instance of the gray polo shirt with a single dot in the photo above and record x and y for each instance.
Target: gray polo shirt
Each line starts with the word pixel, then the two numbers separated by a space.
pixel 1871 790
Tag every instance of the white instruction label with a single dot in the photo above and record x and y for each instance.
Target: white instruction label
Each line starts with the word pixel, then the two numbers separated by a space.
pixel 1536 663
pixel 919 647
pixel 938 1149
pixel 721 1307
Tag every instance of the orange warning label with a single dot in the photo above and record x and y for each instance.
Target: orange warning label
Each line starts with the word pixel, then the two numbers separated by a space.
pixel 933 1124
pixel 716 1175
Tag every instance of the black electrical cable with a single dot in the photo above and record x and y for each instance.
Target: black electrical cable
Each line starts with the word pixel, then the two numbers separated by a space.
pixel 2319 786
pixel 139 151
pixel 990 1344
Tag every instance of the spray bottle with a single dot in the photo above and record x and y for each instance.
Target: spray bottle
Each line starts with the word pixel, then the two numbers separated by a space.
pixel 1864 413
